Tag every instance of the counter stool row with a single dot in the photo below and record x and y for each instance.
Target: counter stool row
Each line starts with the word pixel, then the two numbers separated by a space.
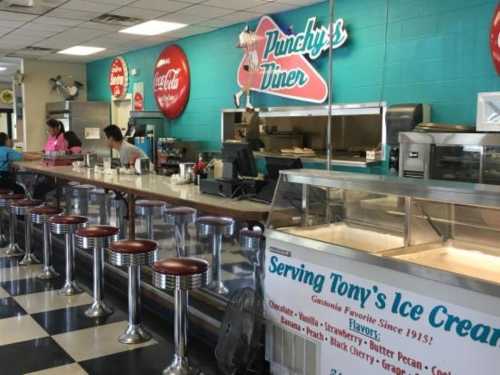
pixel 180 274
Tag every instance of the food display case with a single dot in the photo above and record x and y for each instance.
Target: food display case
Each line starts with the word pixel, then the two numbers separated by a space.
pixel 380 274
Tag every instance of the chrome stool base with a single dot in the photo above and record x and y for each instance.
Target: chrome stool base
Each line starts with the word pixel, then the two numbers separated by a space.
pixel 3 240
pixel 14 249
pixel 218 287
pixel 98 310
pixel 180 366
pixel 135 334
pixel 48 273
pixel 29 259
pixel 70 289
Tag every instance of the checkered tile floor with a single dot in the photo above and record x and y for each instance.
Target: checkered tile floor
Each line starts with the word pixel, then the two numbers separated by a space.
pixel 46 334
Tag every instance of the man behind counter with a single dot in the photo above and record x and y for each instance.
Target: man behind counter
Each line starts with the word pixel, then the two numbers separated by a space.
pixel 128 152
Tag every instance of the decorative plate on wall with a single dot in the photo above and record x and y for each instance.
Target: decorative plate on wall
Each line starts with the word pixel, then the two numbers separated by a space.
pixel 6 96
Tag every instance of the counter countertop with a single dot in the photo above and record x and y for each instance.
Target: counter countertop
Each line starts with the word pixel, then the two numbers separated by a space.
pixel 156 187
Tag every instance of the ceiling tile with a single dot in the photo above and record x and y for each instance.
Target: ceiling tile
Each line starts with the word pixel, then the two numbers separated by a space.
pixel 163 5
pixel 230 19
pixel 235 4
pixel 189 19
pixel 100 26
pixel 74 14
pixel 205 11
pixel 11 16
pixel 86 5
pixel 147 14
pixel 57 21
pixel 43 27
pixel 272 8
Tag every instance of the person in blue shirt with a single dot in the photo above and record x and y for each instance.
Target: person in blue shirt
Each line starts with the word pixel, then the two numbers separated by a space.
pixel 7 156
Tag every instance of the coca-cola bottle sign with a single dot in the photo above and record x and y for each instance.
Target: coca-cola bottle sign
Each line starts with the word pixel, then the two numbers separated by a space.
pixel 172 81
pixel 118 77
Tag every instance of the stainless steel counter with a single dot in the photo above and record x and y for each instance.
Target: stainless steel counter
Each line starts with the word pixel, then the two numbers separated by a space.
pixel 339 161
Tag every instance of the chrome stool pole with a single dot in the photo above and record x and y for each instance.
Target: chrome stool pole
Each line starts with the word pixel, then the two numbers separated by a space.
pixel 23 207
pixel 120 207
pixel 41 215
pixel 252 247
pixel 82 195
pixel 13 248
pixel 3 238
pixel 133 254
pixel 101 197
pixel 67 224
pixel 180 218
pixel 215 229
pixel 181 275
pixel 148 209
pixel 97 238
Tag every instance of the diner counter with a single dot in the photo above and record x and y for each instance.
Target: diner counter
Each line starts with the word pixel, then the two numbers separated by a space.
pixel 337 160
pixel 154 187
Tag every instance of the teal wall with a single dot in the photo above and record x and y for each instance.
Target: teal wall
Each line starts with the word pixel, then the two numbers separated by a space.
pixel 437 53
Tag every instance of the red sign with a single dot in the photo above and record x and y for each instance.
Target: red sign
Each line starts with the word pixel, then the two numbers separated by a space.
pixel 138 102
pixel 118 78
pixel 275 63
pixel 495 39
pixel 172 81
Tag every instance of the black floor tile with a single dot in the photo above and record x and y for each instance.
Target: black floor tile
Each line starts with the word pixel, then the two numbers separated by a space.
pixel 6 262
pixel 72 319
pixel 30 356
pixel 149 360
pixel 9 308
pixel 28 286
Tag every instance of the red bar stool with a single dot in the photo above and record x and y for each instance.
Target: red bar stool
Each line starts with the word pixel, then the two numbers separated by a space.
pixel 148 209
pixel 180 275
pixel 133 254
pixel 97 238
pixel 23 207
pixel 5 201
pixel 180 218
pixel 41 215
pixel 215 229
pixel 67 224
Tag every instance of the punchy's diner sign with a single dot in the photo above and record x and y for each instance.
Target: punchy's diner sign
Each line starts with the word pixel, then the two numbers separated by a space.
pixel 284 69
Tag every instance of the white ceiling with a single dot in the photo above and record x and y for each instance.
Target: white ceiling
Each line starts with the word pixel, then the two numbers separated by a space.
pixel 12 64
pixel 59 24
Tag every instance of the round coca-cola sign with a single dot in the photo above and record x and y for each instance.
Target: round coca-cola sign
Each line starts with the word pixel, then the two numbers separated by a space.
pixel 118 77
pixel 172 81
pixel 495 39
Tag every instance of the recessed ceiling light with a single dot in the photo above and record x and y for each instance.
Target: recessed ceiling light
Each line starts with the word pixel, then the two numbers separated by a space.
pixel 3 68
pixel 153 27
pixel 81 50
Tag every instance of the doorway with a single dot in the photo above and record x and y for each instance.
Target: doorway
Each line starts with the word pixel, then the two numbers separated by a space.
pixel 6 121
pixel 120 112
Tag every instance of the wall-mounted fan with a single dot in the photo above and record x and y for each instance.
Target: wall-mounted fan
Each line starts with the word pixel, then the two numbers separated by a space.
pixel 67 88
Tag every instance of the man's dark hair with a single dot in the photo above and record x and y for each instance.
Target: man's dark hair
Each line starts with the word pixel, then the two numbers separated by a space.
pixel 113 132
pixel 3 139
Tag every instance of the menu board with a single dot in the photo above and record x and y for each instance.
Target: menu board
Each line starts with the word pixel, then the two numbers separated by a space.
pixel 358 326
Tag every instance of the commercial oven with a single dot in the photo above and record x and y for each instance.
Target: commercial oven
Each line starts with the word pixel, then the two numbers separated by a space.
pixel 86 119
pixel 467 157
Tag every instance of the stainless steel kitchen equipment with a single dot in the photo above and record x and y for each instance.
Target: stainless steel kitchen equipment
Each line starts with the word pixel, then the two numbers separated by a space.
pixel 488 112
pixel 86 119
pixel 467 157
pixel 333 238
pixel 357 128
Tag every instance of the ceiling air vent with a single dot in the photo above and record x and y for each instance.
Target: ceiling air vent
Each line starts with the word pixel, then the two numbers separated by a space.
pixel 113 19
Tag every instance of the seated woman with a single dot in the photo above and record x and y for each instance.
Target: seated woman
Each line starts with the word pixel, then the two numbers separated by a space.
pixel 55 139
pixel 7 156
pixel 74 143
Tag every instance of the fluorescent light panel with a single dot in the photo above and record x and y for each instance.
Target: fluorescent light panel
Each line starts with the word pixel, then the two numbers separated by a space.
pixel 81 50
pixel 3 68
pixel 153 27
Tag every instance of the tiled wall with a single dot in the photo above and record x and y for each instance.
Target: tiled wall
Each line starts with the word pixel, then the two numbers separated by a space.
pixel 436 52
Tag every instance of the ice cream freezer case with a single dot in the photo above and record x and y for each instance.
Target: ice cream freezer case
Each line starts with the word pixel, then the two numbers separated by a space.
pixel 370 274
